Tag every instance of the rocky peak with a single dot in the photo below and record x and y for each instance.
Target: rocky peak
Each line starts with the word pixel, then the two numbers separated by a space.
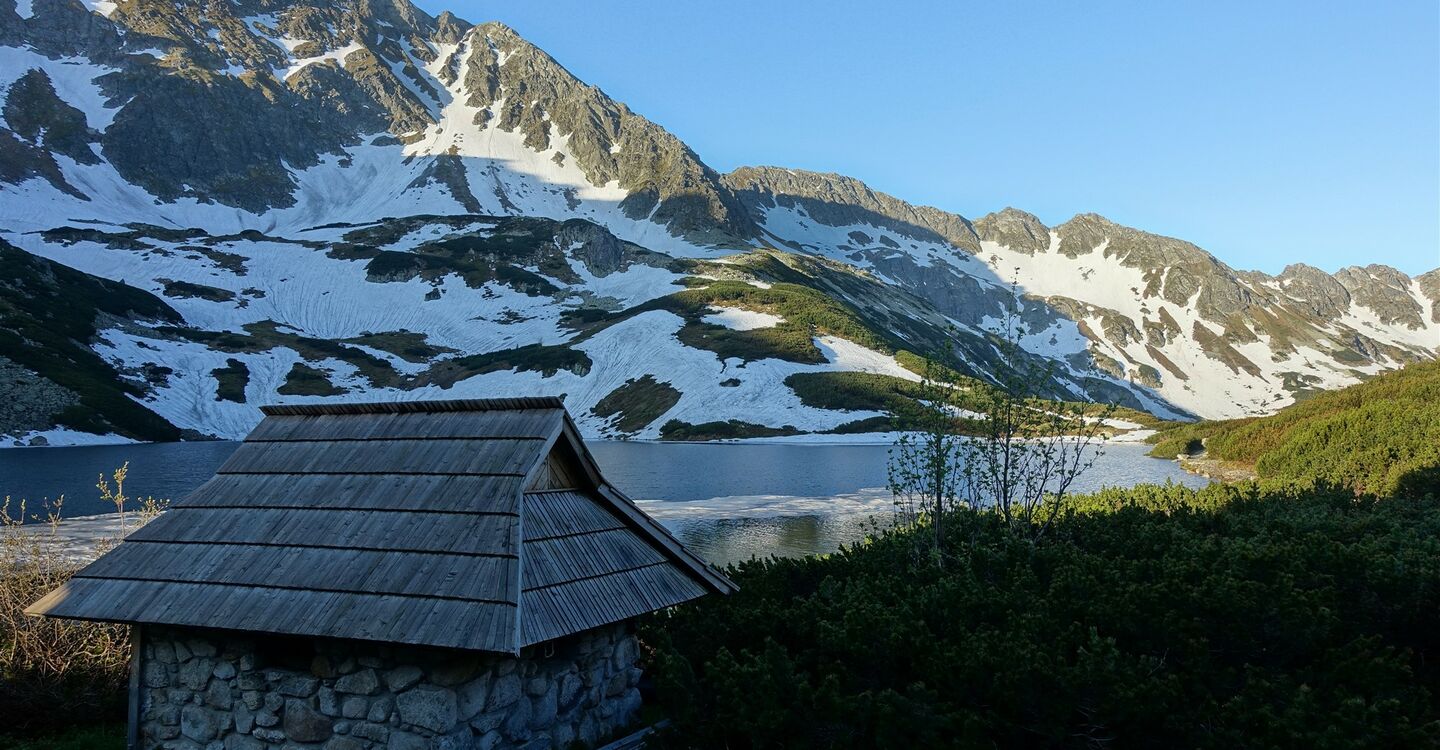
pixel 527 91
pixel 1384 290
pixel 1316 291
pixel 838 200
pixel 1020 231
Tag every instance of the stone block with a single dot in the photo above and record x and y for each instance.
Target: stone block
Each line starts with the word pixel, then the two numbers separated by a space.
pixel 571 689
pixel 264 718
pixel 195 673
pixel 163 652
pixel 562 735
pixel 487 722
pixel 241 742
pixel 537 685
pixel 201 647
pixel 429 707
pixel 372 732
pixel 489 741
pixel 625 654
pixel 168 715
pixel 199 724
pixel 363 682
pixel 224 670
pixel 251 681
pixel 244 719
pixel 303 724
pixel 218 696
pixel 505 692
pixel 380 709
pixel 402 678
pixel 355 707
pixel 517 723
pixel 155 675
pixel 344 743
pixel 269 735
pixel 538 742
pixel 298 686
pixel 329 701
pixel 472 696
pixel 616 685
pixel 543 709
pixel 406 741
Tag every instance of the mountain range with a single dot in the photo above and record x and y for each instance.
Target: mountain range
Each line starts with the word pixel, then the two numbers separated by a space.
pixel 210 206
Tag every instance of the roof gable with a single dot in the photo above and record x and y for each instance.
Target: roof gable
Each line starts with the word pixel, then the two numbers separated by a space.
pixel 404 522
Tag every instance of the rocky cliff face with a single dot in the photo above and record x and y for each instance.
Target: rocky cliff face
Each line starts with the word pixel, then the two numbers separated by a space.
pixel 359 200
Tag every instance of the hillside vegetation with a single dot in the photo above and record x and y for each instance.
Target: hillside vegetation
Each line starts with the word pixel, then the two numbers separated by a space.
pixel 1381 436
pixel 1255 615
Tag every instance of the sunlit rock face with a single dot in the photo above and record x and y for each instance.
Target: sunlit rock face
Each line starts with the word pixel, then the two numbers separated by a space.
pixel 361 201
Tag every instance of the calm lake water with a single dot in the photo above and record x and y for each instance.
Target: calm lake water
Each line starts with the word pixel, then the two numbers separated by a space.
pixel 728 502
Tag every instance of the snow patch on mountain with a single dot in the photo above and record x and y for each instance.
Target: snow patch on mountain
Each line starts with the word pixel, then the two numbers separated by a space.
pixel 72 77
pixel 739 319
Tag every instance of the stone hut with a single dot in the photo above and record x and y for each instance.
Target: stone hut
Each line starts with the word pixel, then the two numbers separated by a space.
pixel 409 575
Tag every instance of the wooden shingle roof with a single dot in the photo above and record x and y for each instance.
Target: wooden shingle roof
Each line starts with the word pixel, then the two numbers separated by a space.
pixel 476 524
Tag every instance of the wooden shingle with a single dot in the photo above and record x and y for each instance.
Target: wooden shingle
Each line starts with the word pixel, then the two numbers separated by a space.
pixel 403 522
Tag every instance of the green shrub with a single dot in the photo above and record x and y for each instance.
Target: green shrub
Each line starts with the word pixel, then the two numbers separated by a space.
pixel 1253 615
pixel 733 429
pixel 638 402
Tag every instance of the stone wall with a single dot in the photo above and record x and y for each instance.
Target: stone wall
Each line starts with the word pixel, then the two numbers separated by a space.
pixel 206 690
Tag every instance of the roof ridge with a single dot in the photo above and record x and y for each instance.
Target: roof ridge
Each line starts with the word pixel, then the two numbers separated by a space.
pixel 413 407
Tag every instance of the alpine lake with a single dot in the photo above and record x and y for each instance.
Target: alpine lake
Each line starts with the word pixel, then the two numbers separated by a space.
pixel 727 501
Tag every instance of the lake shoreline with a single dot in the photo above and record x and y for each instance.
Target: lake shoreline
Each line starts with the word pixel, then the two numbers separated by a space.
pixel 1202 465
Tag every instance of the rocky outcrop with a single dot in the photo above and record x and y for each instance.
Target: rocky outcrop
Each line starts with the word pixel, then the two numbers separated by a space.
pixel 1385 291
pixel 49 314
pixel 30 401
pixel 1014 229
pixel 1319 293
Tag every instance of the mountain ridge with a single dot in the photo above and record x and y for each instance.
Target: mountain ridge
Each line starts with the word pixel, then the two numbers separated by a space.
pixel 366 150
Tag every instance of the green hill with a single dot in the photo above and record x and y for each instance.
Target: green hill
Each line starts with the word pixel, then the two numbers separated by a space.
pixel 1381 436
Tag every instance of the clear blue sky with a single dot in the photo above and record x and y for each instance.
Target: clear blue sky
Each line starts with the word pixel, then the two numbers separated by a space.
pixel 1267 132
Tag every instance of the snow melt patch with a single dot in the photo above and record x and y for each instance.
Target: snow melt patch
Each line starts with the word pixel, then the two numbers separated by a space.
pixel 338 55
pixel 739 319
pixel 848 355
pixel 72 77
pixel 61 437
pixel 103 7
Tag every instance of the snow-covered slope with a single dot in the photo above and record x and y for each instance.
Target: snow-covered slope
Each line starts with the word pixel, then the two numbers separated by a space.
pixel 357 200
pixel 1151 311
